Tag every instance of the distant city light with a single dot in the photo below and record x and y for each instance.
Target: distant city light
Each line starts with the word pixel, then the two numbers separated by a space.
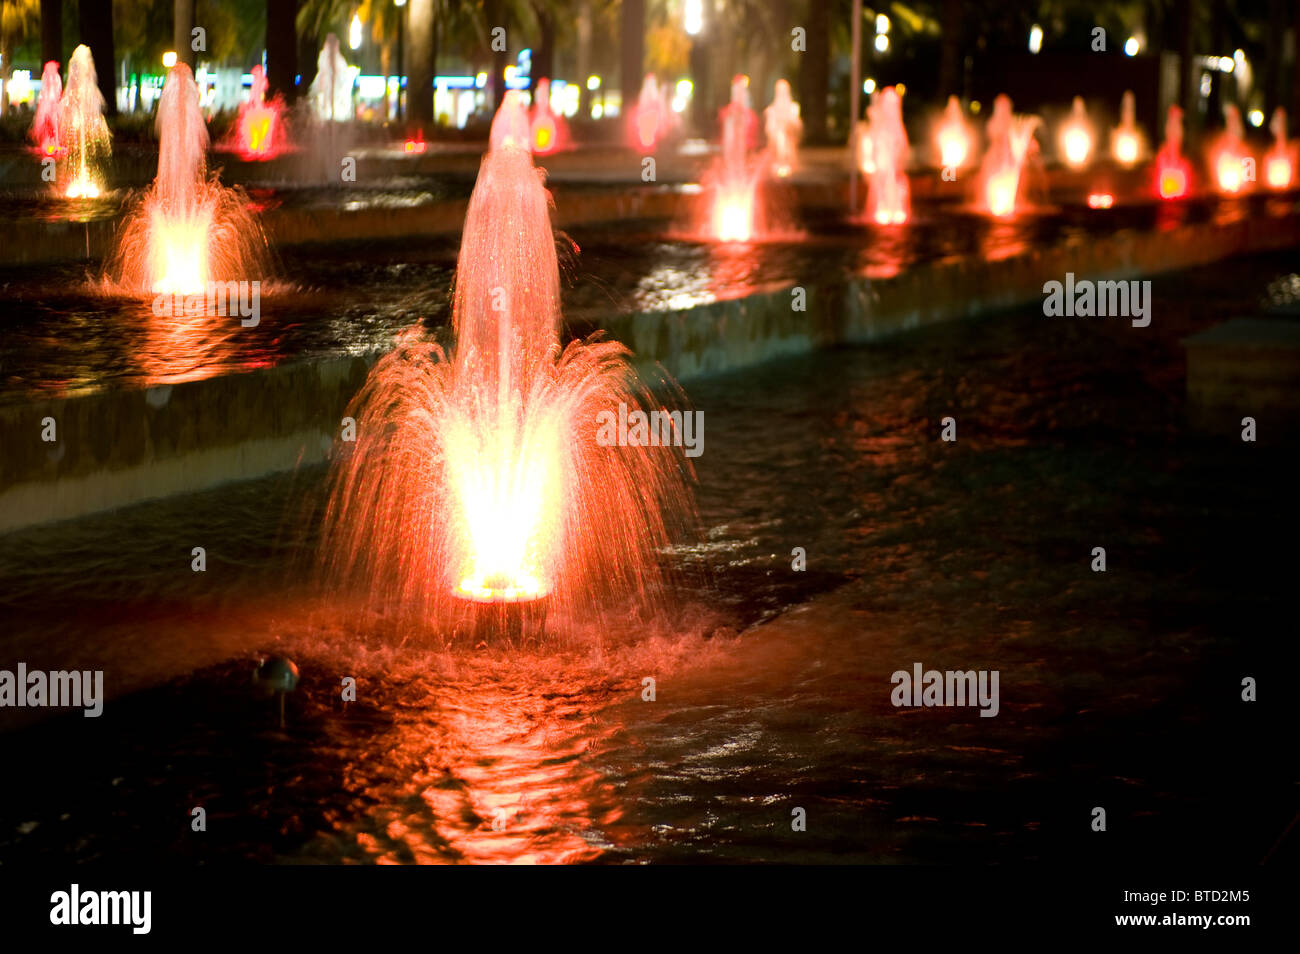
pixel 1226 64
pixel 693 17
pixel 354 32
pixel 399 3
pixel 1131 46
pixel 900 89
pixel 1206 84
pixel 169 59
pixel 480 81
pixel 1256 117
pixel 593 82
pixel 882 42
pixel 868 86
pixel 1035 38
pixel 882 23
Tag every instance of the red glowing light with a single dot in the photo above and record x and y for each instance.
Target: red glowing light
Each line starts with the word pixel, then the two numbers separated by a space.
pixel 1001 193
pixel 259 131
pixel 1100 200
pixel 413 146
pixel 1277 172
pixel 1126 148
pixel 543 135
pixel 1173 182
pixel 1077 144
pixel 1229 172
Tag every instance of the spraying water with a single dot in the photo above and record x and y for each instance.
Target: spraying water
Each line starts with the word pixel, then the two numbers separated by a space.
pixel 260 128
pixel 953 136
pixel 731 185
pixel 478 477
pixel 784 128
pixel 550 132
pixel 1231 157
pixel 1010 138
pixel 883 150
pixel 331 90
pixel 1173 175
pixel 187 230
pixel 651 118
pixel 83 133
pixel 1126 141
pixel 45 127
pixel 1279 164
pixel 1076 136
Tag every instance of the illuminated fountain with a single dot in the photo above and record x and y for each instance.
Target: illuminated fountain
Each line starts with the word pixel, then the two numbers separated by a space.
pixel 1126 140
pixel 331 90
pixel 883 148
pixel 953 137
pixel 477 483
pixel 550 132
pixel 651 118
pixel 187 229
pixel 1076 136
pixel 1229 157
pixel 45 127
pixel 1280 161
pixel 1010 138
pixel 1173 174
pixel 731 185
pixel 784 127
pixel 260 127
pixel 83 134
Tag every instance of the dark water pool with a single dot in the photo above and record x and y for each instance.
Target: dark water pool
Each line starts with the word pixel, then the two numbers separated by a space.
pixel 1118 689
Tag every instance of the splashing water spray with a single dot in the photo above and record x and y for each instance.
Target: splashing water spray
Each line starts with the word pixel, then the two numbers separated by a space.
pixel 651 119
pixel 1279 164
pixel 953 136
pixel 1230 155
pixel 1126 143
pixel 550 133
pixel 784 128
pixel 732 182
pixel 1076 136
pixel 1010 138
pixel 45 127
pixel 478 486
pixel 83 133
pixel 1173 174
pixel 187 230
pixel 883 149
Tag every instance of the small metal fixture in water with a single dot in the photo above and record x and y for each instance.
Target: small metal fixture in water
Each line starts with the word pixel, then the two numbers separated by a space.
pixel 276 675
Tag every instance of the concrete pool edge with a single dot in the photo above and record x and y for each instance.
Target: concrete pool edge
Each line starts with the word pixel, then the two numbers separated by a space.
pixel 116 447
